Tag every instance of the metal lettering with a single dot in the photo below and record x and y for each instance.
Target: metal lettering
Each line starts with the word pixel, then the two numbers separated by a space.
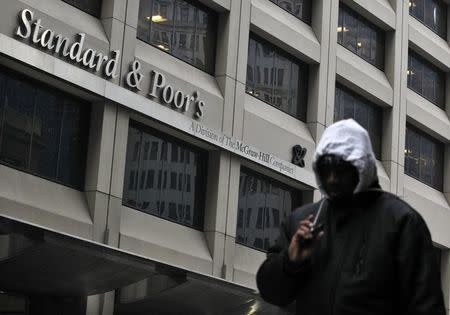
pixel 26 16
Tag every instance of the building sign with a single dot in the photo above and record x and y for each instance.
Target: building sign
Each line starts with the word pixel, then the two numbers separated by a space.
pixel 242 149
pixel 159 88
pixel 57 43
pixel 32 29
pixel 298 155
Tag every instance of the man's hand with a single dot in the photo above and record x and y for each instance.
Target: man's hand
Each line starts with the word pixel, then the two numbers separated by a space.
pixel 297 252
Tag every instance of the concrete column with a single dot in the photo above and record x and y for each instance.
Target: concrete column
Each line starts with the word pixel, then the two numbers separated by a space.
pixel 321 24
pixel 331 80
pixel 395 41
pixel 402 6
pixel 98 168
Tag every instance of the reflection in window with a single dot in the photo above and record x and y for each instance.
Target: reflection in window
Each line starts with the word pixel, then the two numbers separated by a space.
pixel 360 36
pixel 424 158
pixel 426 79
pixel 171 24
pixel 432 13
pixel 93 7
pixel 263 204
pixel 42 131
pixel 174 187
pixel 299 8
pixel 350 105
pixel 284 78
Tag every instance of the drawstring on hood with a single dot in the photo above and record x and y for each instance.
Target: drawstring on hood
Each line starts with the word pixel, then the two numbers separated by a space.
pixel 349 141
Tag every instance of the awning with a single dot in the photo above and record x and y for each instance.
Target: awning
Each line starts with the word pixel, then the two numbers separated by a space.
pixel 35 260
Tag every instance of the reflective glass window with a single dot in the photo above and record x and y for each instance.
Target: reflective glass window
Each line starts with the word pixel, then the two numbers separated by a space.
pixel 42 130
pixel 426 79
pixel 424 157
pixel 184 29
pixel 277 78
pixel 93 7
pixel 348 104
pixel 432 13
pixel 263 204
pixel 360 36
pixel 174 187
pixel 299 8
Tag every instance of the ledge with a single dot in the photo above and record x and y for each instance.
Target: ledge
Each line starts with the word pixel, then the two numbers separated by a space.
pixel 427 114
pixel 363 77
pixel 379 12
pixel 163 240
pixel 433 207
pixel 284 30
pixel 429 44
pixel 282 133
pixel 43 202
pixel 176 67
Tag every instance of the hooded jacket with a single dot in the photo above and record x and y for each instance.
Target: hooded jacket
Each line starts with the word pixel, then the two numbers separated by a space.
pixel 376 256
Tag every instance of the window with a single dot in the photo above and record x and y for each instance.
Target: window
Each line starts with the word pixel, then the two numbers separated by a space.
pixel 174 187
pixel 93 7
pixel 299 8
pixel 42 130
pixel 284 83
pixel 263 204
pixel 350 105
pixel 432 13
pixel 360 36
pixel 424 158
pixel 170 24
pixel 426 79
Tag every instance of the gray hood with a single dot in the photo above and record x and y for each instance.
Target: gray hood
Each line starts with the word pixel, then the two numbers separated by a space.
pixel 348 140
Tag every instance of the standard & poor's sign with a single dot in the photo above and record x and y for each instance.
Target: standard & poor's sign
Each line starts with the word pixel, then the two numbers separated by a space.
pixel 32 29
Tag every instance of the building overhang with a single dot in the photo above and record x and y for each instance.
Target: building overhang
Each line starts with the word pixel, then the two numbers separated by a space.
pixel 35 260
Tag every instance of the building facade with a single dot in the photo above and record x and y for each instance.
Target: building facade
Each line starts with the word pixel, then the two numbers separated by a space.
pixel 183 131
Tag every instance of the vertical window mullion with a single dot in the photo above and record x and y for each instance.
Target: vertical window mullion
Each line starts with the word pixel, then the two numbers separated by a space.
pixel 151 21
pixel 194 55
pixel 273 74
pixel 31 131
pixel 2 126
pixel 138 172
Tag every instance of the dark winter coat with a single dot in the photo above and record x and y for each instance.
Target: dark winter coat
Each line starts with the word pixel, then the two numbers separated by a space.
pixel 376 256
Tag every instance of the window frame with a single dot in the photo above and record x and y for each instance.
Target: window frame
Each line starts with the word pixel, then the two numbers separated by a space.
pixel 295 193
pixel 57 92
pixel 361 20
pixel 214 17
pixel 306 20
pixel 443 34
pixel 302 91
pixel 426 64
pixel 202 180
pixel 441 150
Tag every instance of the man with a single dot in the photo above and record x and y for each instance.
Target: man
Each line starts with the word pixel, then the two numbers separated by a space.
pixel 374 255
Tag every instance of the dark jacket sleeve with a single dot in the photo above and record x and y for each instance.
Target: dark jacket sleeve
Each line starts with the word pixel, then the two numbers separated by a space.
pixel 417 265
pixel 278 278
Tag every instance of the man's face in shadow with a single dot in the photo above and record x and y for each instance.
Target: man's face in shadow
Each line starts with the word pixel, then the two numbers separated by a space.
pixel 339 178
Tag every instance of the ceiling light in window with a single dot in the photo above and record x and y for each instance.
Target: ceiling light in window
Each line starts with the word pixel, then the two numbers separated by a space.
pixel 359 44
pixel 409 72
pixel 412 4
pixel 163 47
pixel 158 18
pixel 342 29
